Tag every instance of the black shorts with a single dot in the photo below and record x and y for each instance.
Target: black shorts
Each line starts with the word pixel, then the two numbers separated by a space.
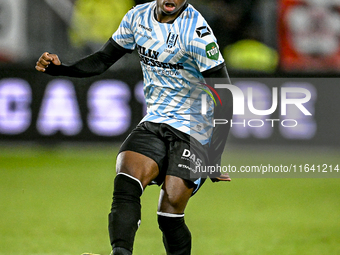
pixel 174 151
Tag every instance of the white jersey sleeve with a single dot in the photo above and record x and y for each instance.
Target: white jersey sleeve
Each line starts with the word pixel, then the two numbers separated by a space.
pixel 124 34
pixel 203 48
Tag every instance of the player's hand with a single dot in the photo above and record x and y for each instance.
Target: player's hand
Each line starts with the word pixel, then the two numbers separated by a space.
pixel 46 59
pixel 222 177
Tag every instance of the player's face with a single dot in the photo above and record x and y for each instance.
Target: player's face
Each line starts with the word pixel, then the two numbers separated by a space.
pixel 169 9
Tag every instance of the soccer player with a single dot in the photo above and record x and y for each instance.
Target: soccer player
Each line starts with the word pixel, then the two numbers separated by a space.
pixel 178 55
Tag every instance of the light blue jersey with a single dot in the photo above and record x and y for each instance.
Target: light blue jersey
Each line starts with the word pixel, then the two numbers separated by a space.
pixel 172 57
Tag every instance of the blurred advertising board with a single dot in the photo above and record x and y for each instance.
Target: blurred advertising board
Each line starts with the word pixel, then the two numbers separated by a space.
pixel 309 35
pixel 273 111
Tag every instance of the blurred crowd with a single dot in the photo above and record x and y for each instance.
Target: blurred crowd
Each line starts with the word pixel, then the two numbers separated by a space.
pixel 231 20
pixel 253 35
pixel 236 25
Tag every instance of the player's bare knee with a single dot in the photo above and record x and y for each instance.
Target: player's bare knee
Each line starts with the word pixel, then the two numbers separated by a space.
pixel 124 168
pixel 138 166
pixel 175 202
pixel 171 204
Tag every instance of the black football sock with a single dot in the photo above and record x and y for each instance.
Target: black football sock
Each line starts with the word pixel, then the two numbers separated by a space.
pixel 125 215
pixel 176 235
pixel 120 251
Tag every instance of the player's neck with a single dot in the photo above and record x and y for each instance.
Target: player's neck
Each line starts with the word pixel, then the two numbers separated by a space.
pixel 165 18
pixel 162 18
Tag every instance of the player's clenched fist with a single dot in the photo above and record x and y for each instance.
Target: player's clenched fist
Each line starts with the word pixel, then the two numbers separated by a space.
pixel 46 59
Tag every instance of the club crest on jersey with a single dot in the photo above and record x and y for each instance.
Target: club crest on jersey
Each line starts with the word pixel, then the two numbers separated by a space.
pixel 172 39
pixel 203 31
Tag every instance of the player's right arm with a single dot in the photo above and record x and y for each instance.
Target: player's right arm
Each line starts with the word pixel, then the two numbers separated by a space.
pixel 45 60
pixel 91 65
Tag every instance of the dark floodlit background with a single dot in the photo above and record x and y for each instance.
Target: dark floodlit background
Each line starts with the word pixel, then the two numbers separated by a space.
pixel 59 136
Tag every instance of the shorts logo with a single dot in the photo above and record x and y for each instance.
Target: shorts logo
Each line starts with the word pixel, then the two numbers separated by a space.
pixel 203 31
pixel 172 39
pixel 187 155
pixel 212 51
pixel 187 167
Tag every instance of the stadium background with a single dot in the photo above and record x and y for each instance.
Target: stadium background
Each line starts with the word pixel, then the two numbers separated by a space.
pixel 59 136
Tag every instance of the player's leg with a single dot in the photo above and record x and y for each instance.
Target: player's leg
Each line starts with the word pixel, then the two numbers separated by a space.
pixel 179 185
pixel 138 163
pixel 174 196
pixel 134 172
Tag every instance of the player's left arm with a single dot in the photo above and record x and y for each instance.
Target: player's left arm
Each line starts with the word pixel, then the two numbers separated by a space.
pixel 219 75
pixel 203 48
